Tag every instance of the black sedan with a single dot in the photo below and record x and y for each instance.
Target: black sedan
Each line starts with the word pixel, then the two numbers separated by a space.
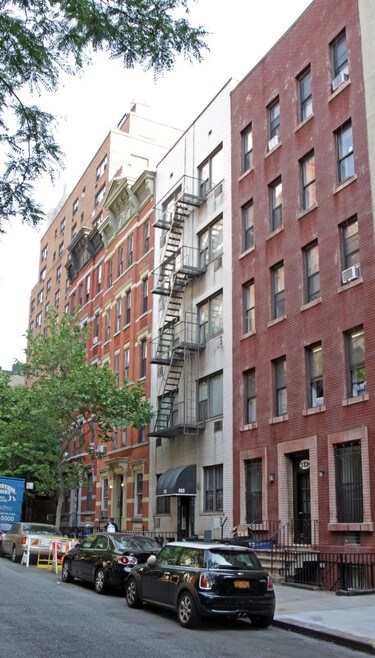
pixel 106 559
pixel 202 580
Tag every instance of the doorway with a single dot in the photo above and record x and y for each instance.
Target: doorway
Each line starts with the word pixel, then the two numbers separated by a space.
pixel 185 517
pixel 301 498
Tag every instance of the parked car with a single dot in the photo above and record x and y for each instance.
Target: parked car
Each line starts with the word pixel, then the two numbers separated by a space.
pixel 4 527
pixel 14 541
pixel 204 579
pixel 106 559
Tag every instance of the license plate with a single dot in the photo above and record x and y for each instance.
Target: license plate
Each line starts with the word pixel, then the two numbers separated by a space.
pixel 241 584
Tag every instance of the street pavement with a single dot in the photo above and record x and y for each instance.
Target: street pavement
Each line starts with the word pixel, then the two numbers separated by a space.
pixel 347 619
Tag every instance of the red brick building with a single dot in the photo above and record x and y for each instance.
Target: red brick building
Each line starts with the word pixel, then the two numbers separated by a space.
pixel 303 275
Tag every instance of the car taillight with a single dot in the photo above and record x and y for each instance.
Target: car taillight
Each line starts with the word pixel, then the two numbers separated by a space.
pixel 269 583
pixel 127 560
pixel 205 581
pixel 23 540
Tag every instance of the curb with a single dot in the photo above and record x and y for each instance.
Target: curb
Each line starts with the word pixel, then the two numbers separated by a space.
pixel 327 636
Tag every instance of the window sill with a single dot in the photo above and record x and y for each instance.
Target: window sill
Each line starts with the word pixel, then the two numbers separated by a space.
pixel 246 173
pixel 278 419
pixel 351 284
pixel 305 212
pixel 250 426
pixel 351 527
pixel 314 410
pixel 304 122
pixel 338 91
pixel 266 155
pixel 345 183
pixel 276 321
pixel 249 333
pixel 314 302
pixel 245 253
pixel 275 232
pixel 359 398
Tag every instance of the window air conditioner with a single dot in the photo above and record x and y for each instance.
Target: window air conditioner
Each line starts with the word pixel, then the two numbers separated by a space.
pixel 319 402
pixel 351 274
pixel 339 80
pixel 102 449
pixel 95 340
pixel 274 141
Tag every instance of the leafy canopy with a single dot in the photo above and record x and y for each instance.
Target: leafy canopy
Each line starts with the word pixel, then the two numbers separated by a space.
pixel 40 39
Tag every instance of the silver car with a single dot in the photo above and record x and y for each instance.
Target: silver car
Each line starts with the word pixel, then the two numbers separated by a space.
pixel 14 541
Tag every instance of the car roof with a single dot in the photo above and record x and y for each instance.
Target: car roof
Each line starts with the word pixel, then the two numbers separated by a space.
pixel 210 545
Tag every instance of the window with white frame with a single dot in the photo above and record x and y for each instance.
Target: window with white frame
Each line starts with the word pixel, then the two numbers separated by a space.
pixel 305 95
pixel 249 307
pixel 253 490
pixel 210 317
pixel 138 493
pixel 274 124
pixel 213 488
pixel 211 242
pixel 118 314
pixel 109 273
pixel 250 393
pixel 307 165
pixel 355 340
pixel 312 274
pixel 315 375
pixel 248 225
pixel 38 321
pixel 99 196
pixel 44 253
pixel 42 275
pixel 120 260
pixel 87 286
pixel 247 148
pixel 276 204
pixel 340 61
pixel 40 297
pixel 210 173
pixel 99 274
pixel 278 291
pixel 58 273
pixel 96 326
pixel 107 326
pixel 75 207
pixel 350 249
pixel 130 250
pixel 117 369
pixel 210 397
pixel 101 167
pixel 146 237
pixel 126 364
pixel 345 152
pixel 144 286
pixel 128 300
pixel 163 503
pixel 280 392
pixel 143 358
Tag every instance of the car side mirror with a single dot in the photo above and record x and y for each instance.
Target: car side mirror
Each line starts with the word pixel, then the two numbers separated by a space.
pixel 151 560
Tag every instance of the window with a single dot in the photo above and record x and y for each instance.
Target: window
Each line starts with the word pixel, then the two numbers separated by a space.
pixel 80 294
pixel 253 479
pixel 32 306
pixel 312 275
pixel 163 503
pixel 99 196
pixel 88 285
pixel 57 297
pixel 276 203
pixel 308 181
pixel 247 148
pixel 127 307
pixel 210 173
pixel 109 273
pixel 40 297
pixel 248 225
pixel 138 494
pixel 250 408
pixel 144 285
pixel 130 250
pixel 38 321
pixel 210 397
pixel 62 225
pixel 104 501
pixel 349 490
pixel 118 314
pixel 213 488
pixel 58 273
pixel 117 369
pixel 73 230
pixel 120 261
pixel 356 362
pixel 340 64
pixel 146 237
pixel 350 248
pixel 210 317
pixel 126 364
pixel 345 153
pixel 278 291
pixel 279 367
pixel 101 168
pixel 49 284
pixel 143 357
pixel 42 275
pixel 107 330
pixel 75 206
pixel 249 307
pixel 61 249
pixel 305 96
pixel 99 275
pixel 44 253
pixel 315 375
pixel 211 242
pixel 96 326
pixel 274 124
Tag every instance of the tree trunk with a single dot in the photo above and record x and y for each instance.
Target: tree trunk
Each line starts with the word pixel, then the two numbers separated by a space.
pixel 60 501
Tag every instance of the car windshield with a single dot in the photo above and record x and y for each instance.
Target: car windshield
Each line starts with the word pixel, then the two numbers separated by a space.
pixel 227 559
pixel 36 529
pixel 138 543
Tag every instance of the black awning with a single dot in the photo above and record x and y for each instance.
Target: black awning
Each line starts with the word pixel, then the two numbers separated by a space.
pixel 178 482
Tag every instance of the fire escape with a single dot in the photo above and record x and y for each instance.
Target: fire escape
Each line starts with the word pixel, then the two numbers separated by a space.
pixel 177 346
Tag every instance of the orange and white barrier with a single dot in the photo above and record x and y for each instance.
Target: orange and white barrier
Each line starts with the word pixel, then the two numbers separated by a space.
pixel 59 549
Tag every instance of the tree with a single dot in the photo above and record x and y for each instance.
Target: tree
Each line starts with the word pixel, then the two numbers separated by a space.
pixel 40 39
pixel 68 399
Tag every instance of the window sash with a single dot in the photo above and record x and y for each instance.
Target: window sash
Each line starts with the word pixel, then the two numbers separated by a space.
pixel 248 225
pixel 213 488
pixel 315 363
pixel 312 273
pixel 345 153
pixel 278 292
pixel 274 119
pixel 254 491
pixel 308 182
pixel 249 318
pixel 357 368
pixel 280 387
pixel 305 86
pixel 350 244
pixel 276 205
pixel 250 416
pixel 247 149
pixel 349 489
pixel 340 56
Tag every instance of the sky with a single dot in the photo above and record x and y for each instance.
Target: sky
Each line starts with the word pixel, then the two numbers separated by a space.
pixel 88 106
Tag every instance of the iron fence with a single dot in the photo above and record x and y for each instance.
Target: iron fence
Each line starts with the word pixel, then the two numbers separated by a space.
pixel 329 571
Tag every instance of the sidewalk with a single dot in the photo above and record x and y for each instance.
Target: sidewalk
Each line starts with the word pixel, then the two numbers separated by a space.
pixel 343 619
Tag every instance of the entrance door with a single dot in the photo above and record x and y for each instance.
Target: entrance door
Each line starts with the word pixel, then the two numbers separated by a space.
pixel 301 502
pixel 185 517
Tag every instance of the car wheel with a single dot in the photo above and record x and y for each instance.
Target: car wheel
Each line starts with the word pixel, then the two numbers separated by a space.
pixel 186 611
pixel 66 576
pixel 261 622
pixel 101 586
pixel 132 597
pixel 15 556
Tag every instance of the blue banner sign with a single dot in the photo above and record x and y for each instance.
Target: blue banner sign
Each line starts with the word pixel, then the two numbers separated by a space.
pixel 11 497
